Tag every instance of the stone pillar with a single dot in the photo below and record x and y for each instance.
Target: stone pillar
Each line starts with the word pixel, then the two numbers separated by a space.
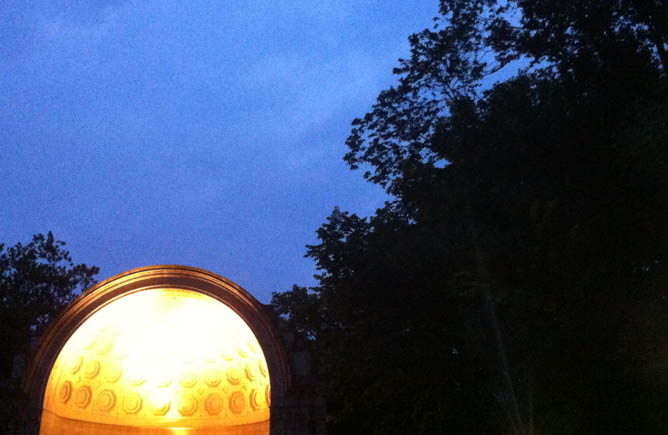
pixel 302 411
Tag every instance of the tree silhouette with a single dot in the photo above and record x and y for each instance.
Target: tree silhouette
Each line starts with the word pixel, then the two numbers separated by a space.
pixel 517 281
pixel 37 280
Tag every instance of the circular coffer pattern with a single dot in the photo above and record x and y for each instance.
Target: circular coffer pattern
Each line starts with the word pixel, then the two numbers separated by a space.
pixel 108 371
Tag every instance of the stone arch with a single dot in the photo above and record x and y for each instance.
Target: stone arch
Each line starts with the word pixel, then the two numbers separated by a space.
pixel 256 316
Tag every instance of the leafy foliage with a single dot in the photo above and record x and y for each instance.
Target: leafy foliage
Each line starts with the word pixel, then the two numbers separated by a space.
pixel 517 282
pixel 37 280
pixel 473 39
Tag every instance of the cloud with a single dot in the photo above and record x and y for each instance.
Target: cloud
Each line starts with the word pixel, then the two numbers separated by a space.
pixel 301 90
pixel 24 23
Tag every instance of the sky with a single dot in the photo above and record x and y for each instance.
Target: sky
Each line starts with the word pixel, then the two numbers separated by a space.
pixel 201 133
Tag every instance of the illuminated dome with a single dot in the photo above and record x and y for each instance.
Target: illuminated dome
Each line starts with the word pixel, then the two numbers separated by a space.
pixel 159 358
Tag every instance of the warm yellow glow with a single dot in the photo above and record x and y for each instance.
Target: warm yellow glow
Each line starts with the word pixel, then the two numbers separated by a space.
pixel 161 358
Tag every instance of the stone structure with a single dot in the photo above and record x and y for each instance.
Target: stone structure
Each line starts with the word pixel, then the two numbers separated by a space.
pixel 169 348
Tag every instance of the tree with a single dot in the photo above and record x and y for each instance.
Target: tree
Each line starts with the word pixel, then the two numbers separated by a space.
pixel 37 280
pixel 473 39
pixel 517 281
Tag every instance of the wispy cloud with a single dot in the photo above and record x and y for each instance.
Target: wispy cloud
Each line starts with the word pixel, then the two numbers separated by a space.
pixel 23 24
pixel 201 132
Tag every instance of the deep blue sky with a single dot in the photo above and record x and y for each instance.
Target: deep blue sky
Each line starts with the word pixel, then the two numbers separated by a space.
pixel 204 133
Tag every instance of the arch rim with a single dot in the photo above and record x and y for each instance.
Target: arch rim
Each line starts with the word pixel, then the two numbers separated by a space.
pixel 249 309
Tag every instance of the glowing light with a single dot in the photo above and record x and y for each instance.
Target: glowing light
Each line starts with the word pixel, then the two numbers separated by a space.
pixel 160 358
